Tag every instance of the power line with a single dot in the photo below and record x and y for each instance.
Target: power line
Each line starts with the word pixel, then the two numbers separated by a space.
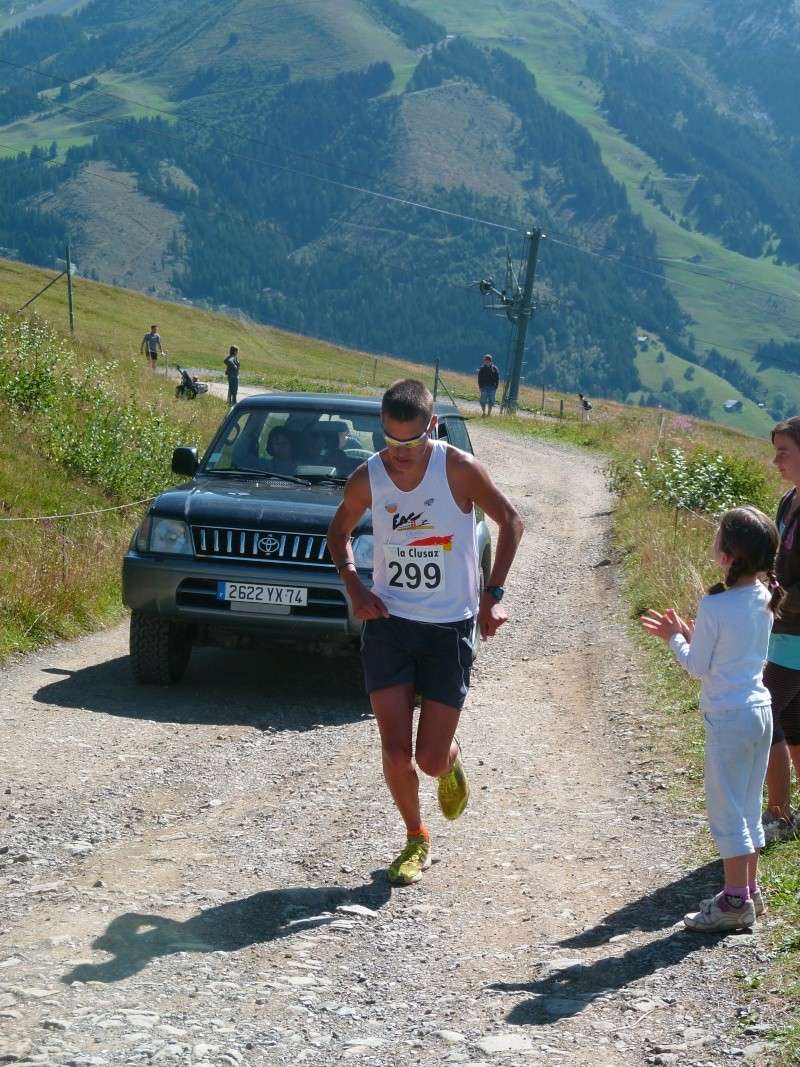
pixel 661 259
pixel 216 127
pixel 281 148
pixel 387 197
pixel 294 327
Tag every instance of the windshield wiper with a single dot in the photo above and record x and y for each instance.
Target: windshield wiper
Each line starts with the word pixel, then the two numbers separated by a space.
pixel 271 475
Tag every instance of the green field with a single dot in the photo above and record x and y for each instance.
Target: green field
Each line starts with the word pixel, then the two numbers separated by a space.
pixel 84 115
pixel 556 35
pixel 751 419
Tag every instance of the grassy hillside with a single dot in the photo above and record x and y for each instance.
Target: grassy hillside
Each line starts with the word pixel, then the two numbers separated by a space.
pixel 652 371
pixel 552 38
pixel 88 426
pixel 79 416
pixel 111 322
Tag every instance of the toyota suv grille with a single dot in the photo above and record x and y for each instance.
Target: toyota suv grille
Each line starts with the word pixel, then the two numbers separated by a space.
pixel 261 546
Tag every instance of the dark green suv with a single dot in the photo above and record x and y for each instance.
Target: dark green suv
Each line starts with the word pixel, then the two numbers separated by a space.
pixel 238 555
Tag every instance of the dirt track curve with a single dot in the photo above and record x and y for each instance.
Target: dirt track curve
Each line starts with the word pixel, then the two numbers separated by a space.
pixel 196 875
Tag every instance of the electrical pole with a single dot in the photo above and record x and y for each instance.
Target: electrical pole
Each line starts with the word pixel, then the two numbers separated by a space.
pixel 69 293
pixel 516 301
pixel 521 320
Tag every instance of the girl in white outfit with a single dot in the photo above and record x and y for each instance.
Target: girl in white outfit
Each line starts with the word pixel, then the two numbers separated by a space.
pixel 726 648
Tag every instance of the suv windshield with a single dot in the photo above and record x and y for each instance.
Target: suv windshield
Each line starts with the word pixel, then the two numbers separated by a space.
pixel 306 443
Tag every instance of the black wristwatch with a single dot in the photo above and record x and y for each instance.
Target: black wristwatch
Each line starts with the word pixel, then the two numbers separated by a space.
pixel 497 591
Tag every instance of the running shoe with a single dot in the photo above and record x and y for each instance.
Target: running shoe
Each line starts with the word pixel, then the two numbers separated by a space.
pixel 415 858
pixel 453 790
pixel 715 916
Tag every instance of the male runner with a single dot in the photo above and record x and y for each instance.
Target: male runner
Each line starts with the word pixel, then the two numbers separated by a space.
pixel 419 617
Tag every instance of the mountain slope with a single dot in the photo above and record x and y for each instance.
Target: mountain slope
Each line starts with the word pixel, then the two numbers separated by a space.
pixel 239 215
pixel 554 39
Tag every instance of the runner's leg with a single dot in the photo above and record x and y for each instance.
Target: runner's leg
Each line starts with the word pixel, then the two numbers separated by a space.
pixel 393 709
pixel 435 750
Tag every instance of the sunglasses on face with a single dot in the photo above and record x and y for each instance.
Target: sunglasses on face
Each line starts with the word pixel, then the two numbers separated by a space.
pixel 411 442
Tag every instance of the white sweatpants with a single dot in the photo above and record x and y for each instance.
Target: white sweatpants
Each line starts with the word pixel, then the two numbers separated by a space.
pixel 737 751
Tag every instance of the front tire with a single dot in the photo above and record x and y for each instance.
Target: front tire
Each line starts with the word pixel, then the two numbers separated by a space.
pixel 159 649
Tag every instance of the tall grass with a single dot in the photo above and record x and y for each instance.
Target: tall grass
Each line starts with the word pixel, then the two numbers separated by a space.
pixel 76 437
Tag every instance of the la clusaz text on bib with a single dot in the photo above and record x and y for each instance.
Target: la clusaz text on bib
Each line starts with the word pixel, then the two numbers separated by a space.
pixel 425 565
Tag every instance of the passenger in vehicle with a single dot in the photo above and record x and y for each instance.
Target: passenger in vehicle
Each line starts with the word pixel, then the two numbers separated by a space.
pixel 337 438
pixel 279 447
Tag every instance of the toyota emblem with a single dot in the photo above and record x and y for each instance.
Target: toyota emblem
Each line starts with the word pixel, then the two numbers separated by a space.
pixel 268 545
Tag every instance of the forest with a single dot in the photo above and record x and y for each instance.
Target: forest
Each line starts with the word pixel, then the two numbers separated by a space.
pixel 745 190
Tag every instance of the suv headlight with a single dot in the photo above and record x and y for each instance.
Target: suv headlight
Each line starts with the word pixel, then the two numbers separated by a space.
pixel 171 536
pixel 363 552
pixel 141 535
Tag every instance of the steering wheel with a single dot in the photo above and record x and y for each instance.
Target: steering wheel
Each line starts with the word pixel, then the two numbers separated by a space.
pixel 358 453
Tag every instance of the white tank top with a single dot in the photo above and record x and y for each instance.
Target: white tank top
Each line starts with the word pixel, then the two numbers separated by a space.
pixel 426 549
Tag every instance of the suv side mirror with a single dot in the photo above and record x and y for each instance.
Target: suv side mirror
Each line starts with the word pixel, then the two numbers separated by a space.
pixel 184 461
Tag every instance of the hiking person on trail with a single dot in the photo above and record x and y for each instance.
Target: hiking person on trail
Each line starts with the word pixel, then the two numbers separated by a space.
pixel 420 615
pixel 782 672
pixel 232 373
pixel 585 407
pixel 151 346
pixel 725 648
pixel 488 381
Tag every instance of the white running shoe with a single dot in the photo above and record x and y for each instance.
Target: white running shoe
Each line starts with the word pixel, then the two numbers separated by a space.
pixel 759 904
pixel 713 917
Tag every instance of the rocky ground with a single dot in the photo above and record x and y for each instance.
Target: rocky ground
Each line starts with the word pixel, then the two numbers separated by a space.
pixel 196 875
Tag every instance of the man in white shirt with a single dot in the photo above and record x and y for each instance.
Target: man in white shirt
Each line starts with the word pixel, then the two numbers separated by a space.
pixel 419 617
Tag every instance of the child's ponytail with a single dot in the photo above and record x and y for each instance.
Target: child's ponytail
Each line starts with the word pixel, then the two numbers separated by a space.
pixel 777 593
pixel 738 569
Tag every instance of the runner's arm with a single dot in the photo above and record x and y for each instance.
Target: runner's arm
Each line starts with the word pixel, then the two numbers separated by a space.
pixel 356 500
pixel 472 482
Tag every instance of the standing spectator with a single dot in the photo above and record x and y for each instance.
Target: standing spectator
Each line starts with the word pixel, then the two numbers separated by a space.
pixel 725 649
pixel 232 373
pixel 585 407
pixel 782 673
pixel 488 381
pixel 151 346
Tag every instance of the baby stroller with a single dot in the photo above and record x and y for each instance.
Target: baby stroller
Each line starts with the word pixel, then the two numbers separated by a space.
pixel 188 386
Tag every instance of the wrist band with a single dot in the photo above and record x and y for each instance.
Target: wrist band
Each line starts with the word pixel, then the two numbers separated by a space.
pixel 342 566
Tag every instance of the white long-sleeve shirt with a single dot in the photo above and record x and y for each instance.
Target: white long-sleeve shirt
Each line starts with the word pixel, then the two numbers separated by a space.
pixel 728 648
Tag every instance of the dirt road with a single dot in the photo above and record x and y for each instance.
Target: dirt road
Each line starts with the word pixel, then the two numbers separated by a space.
pixel 196 875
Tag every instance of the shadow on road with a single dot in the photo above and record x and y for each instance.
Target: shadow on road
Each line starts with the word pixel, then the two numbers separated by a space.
pixel 285 690
pixel 134 939
pixel 654 911
pixel 568 991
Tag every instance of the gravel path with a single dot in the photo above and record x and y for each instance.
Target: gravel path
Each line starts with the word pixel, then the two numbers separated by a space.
pixel 196 875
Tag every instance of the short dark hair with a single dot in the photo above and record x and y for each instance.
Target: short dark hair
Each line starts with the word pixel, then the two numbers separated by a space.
pixel 789 427
pixel 406 400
